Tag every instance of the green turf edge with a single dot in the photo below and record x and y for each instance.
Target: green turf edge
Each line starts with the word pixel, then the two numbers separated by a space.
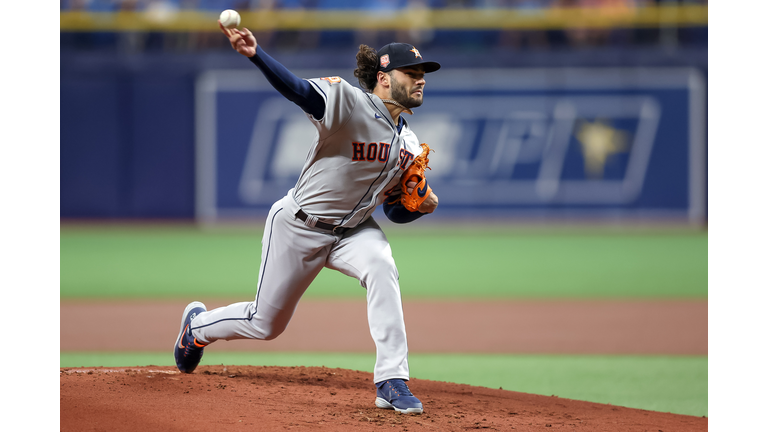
pixel 175 263
pixel 676 384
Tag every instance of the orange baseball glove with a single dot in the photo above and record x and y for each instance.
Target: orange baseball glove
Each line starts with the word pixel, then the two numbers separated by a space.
pixel 415 172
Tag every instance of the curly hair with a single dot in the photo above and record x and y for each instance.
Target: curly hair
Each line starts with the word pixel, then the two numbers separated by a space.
pixel 367 67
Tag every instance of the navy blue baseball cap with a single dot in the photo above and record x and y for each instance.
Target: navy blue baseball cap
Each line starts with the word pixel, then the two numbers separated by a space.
pixel 397 55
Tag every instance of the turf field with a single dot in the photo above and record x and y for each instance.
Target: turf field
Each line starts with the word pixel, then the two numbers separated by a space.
pixel 132 262
pixel 183 262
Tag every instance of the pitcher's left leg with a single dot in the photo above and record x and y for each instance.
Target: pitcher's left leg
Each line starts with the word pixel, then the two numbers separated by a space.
pixel 364 253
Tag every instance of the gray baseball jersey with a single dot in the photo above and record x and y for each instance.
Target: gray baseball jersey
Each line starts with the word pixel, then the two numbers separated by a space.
pixel 358 156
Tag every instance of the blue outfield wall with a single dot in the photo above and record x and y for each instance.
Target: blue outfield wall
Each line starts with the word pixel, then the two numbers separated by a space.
pixel 127 144
pixel 129 130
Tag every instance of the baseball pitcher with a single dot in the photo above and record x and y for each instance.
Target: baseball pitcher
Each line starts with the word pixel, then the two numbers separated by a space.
pixel 364 154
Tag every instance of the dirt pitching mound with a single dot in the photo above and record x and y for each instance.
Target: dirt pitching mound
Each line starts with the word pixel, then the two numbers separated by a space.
pixel 231 398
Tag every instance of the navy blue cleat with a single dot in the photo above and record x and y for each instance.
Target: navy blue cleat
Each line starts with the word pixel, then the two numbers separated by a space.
pixel 395 394
pixel 187 351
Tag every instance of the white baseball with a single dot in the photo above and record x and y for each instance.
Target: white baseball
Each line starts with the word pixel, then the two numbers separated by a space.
pixel 230 18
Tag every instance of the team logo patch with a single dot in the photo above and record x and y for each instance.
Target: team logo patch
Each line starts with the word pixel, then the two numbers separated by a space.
pixel 332 80
pixel 416 53
pixel 384 61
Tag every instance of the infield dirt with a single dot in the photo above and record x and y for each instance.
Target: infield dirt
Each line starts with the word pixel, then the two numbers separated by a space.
pixel 227 398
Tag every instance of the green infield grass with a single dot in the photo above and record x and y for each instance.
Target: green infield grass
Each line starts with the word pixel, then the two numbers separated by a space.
pixel 442 261
pixel 676 384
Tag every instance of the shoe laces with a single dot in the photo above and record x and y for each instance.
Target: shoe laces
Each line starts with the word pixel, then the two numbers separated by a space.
pixel 400 387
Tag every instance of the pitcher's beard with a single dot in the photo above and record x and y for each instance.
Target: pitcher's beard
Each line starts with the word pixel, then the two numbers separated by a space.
pixel 400 96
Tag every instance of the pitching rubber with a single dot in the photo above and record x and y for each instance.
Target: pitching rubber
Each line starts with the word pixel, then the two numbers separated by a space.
pixel 382 403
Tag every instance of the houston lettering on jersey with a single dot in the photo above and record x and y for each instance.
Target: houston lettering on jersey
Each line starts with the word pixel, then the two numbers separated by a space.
pixel 371 152
pixel 405 157
pixel 378 152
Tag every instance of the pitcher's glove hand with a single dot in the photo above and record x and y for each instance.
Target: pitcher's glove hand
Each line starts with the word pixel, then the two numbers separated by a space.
pixel 415 173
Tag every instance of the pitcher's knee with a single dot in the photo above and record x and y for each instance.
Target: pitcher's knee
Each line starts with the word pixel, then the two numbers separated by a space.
pixel 269 321
pixel 273 332
pixel 271 336
pixel 269 331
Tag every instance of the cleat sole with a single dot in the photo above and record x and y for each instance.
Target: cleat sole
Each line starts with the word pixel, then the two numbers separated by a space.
pixel 382 403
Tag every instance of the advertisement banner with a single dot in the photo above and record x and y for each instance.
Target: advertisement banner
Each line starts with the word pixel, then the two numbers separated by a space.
pixel 533 143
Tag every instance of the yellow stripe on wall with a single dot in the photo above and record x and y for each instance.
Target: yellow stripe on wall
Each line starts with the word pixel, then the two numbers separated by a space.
pixel 442 19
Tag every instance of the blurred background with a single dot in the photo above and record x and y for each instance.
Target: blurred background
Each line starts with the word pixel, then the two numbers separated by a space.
pixel 545 110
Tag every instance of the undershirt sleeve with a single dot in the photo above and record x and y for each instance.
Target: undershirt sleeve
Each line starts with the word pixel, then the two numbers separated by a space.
pixel 293 88
pixel 397 213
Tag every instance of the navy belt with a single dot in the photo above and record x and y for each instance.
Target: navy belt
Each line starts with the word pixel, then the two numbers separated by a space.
pixel 335 229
